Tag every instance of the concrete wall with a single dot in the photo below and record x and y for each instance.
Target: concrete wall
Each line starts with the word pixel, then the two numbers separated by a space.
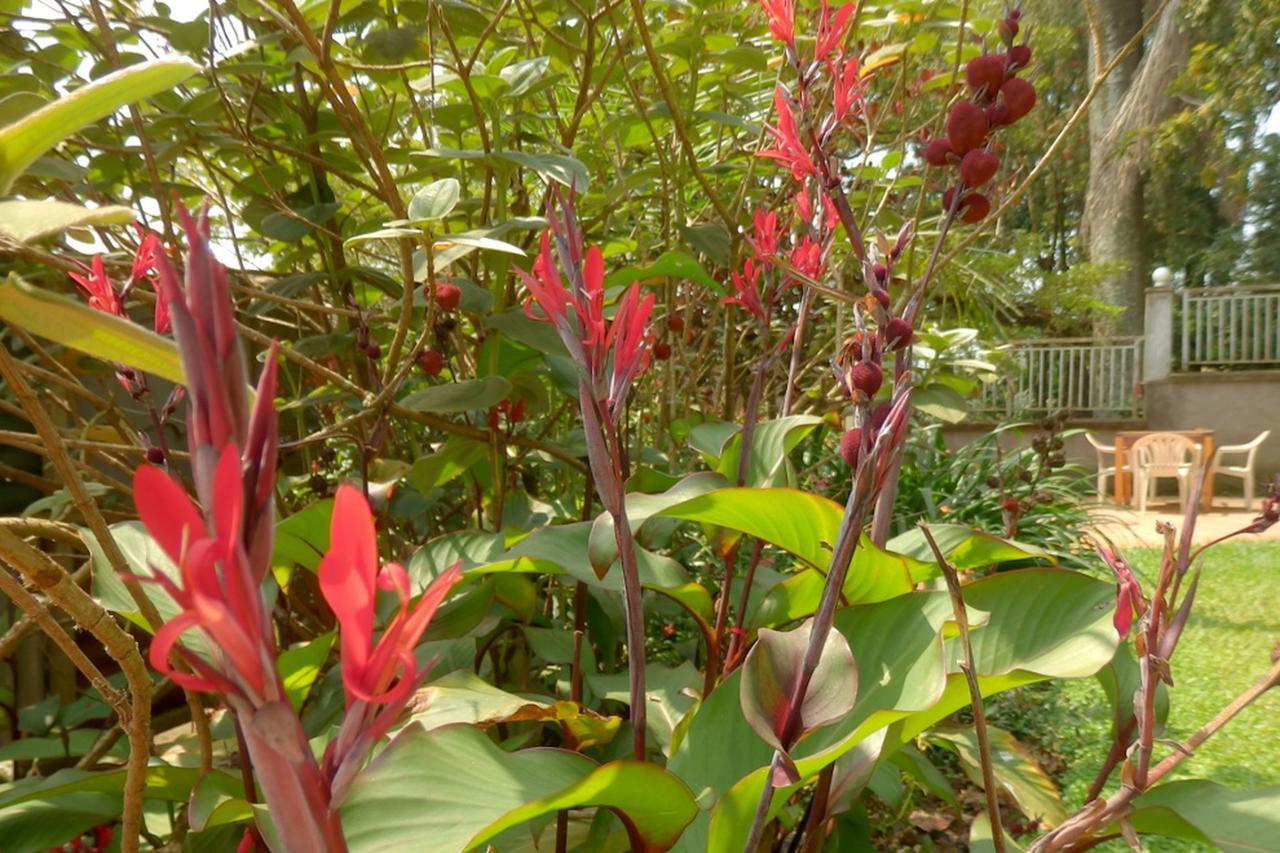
pixel 1236 405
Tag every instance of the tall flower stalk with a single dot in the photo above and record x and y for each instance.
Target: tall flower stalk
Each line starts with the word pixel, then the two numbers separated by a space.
pixel 610 355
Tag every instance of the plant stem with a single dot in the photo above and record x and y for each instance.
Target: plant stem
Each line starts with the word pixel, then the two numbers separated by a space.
pixel 975 692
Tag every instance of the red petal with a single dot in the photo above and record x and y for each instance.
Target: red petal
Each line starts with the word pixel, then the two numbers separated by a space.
pixel 347 577
pixel 163 643
pixel 166 511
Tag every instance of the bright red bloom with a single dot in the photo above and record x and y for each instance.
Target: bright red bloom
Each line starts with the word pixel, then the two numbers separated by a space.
pixel 787 149
pixel 765 233
pixel 782 20
pixel 629 338
pixel 1129 600
pixel 216 587
pixel 846 89
pixel 98 289
pixel 384 672
pixel 831 31
pixel 746 286
pixel 806 258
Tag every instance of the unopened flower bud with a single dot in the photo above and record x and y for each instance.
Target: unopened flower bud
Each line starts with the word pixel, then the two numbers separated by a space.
pixel 430 362
pixel 936 152
pixel 978 167
pixel 966 126
pixel 897 333
pixel 866 377
pixel 851 447
pixel 448 296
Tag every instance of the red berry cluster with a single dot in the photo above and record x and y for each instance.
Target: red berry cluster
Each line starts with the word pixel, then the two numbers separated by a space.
pixel 998 98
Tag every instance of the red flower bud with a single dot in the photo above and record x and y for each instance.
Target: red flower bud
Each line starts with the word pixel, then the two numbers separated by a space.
pixel 985 73
pixel 675 323
pixel 1019 57
pixel 936 152
pixel 1019 97
pixel 866 377
pixel 974 207
pixel 977 167
pixel 851 447
pixel 662 350
pixel 447 295
pixel 897 333
pixel 966 126
pixel 431 362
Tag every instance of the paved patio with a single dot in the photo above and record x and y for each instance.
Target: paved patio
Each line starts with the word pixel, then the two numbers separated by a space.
pixel 1127 527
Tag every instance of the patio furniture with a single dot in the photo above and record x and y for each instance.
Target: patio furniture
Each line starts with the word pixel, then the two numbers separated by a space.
pixel 1105 471
pixel 1162 456
pixel 1245 471
pixel 1124 446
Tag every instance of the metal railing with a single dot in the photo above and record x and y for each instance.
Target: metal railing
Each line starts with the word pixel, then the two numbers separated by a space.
pixel 1230 326
pixel 1082 377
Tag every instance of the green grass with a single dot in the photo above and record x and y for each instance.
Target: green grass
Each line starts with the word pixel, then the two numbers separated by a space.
pixel 1227 646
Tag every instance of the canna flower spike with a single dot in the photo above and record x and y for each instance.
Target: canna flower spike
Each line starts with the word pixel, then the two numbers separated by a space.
pixel 610 354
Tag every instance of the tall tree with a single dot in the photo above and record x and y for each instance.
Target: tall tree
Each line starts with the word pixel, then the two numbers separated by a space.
pixel 1133 100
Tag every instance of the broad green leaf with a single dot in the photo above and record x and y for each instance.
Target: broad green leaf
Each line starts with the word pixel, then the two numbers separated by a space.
pixel 76 325
pixel 1234 821
pixel 944 403
pixel 771 442
pixel 523 75
pixel 670 690
pixel 553 167
pixel 435 201
pixel 1120 680
pixel 28 221
pixel 668 264
pixel 965 548
pixel 300 666
pixel 465 396
pixel 455 787
pixel 144 557
pixel 382 234
pixel 78 742
pixel 640 507
pixel 453 458
pixel 1014 767
pixel 303 538
pixel 32 135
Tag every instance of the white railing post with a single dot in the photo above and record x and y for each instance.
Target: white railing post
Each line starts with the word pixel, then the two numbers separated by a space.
pixel 1157 361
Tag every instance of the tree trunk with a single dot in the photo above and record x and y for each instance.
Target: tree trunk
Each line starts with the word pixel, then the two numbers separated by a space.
pixel 1133 99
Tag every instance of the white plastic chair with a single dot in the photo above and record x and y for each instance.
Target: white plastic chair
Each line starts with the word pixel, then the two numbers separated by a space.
pixel 1245 471
pixel 1159 456
pixel 1105 471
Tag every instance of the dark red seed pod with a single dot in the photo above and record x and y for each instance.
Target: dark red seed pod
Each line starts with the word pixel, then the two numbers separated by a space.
pixel 1007 29
pixel 1009 504
pixel 675 323
pixel 662 350
pixel 373 351
pixel 897 333
pixel 881 273
pixel 882 296
pixel 155 456
pixel 1019 56
pixel 974 207
pixel 998 115
pixel 985 73
pixel 851 447
pixel 936 152
pixel 879 415
pixel 978 167
pixel 866 377
pixel 430 362
pixel 448 296
pixel 966 126
pixel 948 197
pixel 1018 96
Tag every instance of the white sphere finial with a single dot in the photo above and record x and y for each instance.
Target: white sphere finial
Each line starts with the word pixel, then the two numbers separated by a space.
pixel 1162 276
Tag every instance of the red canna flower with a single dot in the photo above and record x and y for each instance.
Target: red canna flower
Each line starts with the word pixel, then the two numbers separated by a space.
pixel 831 31
pixel 806 258
pixel 1129 600
pixel 383 672
pixel 746 289
pixel 216 588
pixel 765 233
pixel 98 289
pixel 787 149
pixel 782 20
pixel 846 89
